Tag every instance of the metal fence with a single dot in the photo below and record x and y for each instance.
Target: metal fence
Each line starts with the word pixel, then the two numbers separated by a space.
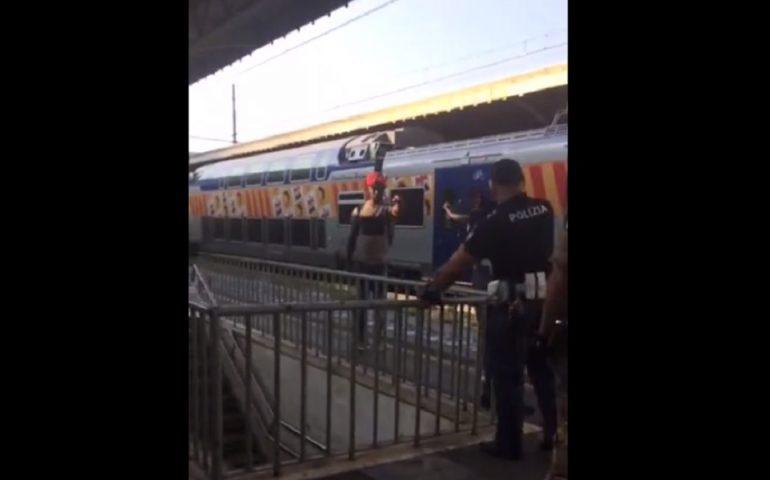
pixel 427 357
pixel 236 280
pixel 251 280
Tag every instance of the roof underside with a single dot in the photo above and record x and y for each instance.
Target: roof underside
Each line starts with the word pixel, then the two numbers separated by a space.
pixel 518 85
pixel 221 32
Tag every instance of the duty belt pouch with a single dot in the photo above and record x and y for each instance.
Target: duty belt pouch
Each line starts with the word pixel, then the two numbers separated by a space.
pixel 503 293
pixel 498 292
pixel 533 288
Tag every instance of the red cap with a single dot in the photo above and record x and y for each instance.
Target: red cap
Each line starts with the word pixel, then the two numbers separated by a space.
pixel 374 178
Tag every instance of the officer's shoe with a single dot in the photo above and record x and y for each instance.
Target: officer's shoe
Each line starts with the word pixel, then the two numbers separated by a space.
pixel 491 448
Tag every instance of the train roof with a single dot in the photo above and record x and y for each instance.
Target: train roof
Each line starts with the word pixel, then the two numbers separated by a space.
pixel 489 145
pixel 308 156
pixel 326 154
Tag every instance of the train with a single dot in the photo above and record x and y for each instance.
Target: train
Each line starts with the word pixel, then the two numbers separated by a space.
pixel 295 205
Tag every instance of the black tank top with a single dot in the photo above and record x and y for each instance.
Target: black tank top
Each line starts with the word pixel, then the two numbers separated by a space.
pixel 371 236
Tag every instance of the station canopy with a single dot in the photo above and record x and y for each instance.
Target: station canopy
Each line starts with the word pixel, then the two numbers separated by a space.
pixel 513 86
pixel 221 32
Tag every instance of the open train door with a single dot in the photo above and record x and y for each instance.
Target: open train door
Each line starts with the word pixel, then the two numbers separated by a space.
pixel 454 185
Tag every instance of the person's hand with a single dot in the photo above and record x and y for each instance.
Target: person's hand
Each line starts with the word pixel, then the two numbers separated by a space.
pixel 446 205
pixel 430 295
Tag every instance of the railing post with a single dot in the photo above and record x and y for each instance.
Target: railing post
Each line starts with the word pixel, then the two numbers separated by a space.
pixel 277 395
pixel 467 374
pixel 440 370
pixel 206 383
pixel 329 353
pixel 481 313
pixel 352 419
pixel 216 381
pixel 418 373
pixel 195 380
pixel 459 397
pixel 249 395
pixel 397 372
pixel 190 381
pixel 303 386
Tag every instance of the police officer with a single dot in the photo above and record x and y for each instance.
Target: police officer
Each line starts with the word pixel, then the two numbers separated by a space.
pixel 517 239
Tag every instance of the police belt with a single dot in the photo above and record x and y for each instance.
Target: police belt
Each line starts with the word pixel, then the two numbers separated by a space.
pixel 506 291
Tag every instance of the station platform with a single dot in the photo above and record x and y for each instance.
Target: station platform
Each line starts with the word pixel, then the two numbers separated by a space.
pixel 466 463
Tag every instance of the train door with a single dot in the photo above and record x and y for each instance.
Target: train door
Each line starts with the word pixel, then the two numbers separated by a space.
pixel 454 186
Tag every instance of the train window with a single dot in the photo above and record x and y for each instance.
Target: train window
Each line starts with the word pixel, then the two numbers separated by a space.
pixel 300 232
pixel 346 197
pixel 347 202
pixel 254 179
pixel 345 213
pixel 234 182
pixel 208 228
pixel 236 229
pixel 219 228
pixel 320 232
pixel 412 207
pixel 320 173
pixel 276 177
pixel 275 233
pixel 300 175
pixel 254 230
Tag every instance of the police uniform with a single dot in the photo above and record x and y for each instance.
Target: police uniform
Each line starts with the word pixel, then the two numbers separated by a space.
pixel 480 277
pixel 517 240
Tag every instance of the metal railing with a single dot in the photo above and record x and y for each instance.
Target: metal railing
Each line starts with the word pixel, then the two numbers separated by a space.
pixel 237 280
pixel 251 280
pixel 421 358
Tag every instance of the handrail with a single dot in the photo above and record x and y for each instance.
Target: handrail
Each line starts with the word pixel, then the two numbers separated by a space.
pixel 344 273
pixel 247 309
pixel 202 282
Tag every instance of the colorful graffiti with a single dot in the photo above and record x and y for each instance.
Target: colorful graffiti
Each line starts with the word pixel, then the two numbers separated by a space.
pixel 309 200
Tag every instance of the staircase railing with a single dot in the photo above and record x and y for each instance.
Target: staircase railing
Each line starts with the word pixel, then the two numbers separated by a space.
pixel 418 356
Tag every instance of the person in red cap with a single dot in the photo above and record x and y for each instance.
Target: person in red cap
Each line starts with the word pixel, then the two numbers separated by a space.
pixel 371 235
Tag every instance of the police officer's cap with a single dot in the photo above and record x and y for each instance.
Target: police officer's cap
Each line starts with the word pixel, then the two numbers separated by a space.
pixel 507 172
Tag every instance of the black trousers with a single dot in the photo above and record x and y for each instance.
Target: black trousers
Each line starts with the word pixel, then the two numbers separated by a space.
pixel 510 350
pixel 367 290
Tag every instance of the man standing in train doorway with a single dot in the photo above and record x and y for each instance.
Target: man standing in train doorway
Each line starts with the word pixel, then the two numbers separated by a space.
pixel 371 235
pixel 517 239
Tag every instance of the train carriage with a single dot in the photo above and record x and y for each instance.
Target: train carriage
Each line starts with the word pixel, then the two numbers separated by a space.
pixel 295 205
